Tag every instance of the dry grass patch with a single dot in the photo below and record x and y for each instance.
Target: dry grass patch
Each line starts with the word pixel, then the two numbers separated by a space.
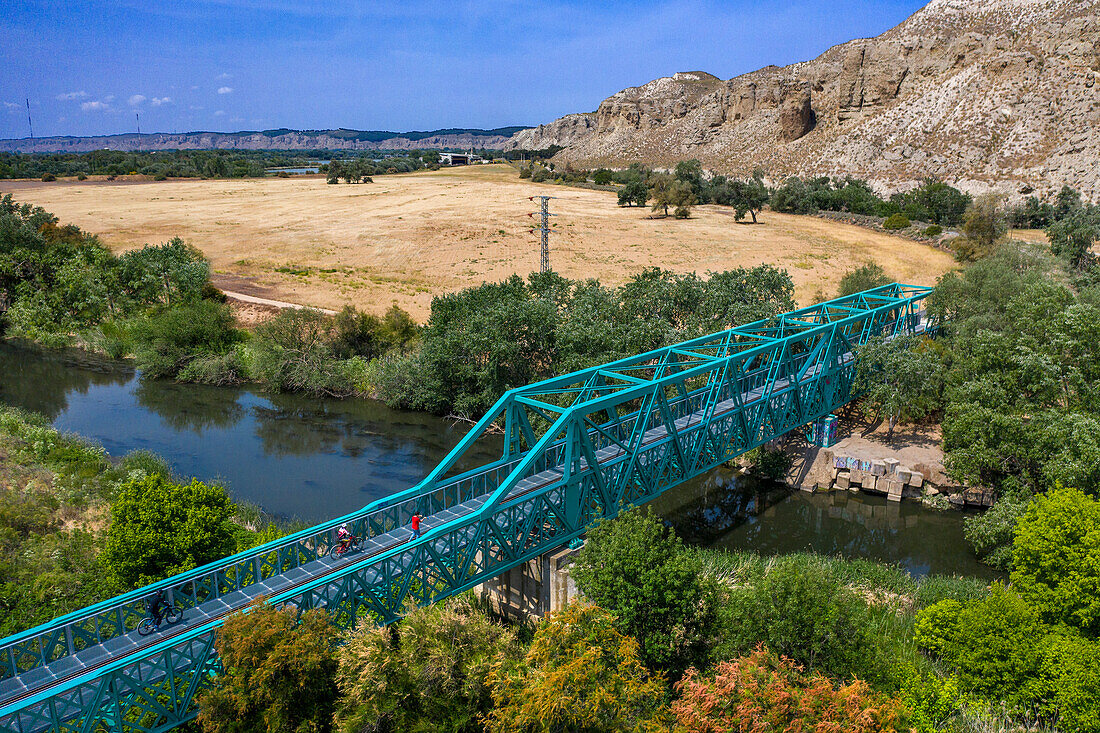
pixel 406 238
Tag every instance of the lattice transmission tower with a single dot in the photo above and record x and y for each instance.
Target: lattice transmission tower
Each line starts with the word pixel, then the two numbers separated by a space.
pixel 544 230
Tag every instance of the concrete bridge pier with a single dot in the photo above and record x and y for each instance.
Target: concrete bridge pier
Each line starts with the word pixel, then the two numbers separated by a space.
pixel 533 589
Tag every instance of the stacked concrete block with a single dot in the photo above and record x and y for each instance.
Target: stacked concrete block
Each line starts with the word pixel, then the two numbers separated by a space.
pixel 916 480
pixel 878 468
pixel 891 465
pixel 843 480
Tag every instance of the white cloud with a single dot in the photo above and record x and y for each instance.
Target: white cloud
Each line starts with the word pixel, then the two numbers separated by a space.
pixel 193 88
pixel 96 106
pixel 70 96
pixel 195 108
pixel 158 101
pixel 109 98
pixel 223 77
pixel 220 113
pixel 13 107
pixel 137 99
pixel 225 90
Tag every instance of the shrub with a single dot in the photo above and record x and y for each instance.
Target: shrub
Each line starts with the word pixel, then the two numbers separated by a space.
pixel 49 178
pixel 769 463
pixel 866 276
pixel 159 528
pixel 934 230
pixel 603 177
pixel 760 692
pixel 279 673
pixel 580 673
pixel 991 531
pixel 936 626
pixel 160 177
pixel 994 644
pixel 815 621
pixel 896 221
pixel 167 341
pixel 81 177
pixel 429 672
pixel 931 700
pixel 640 570
pixel 525 172
pixel 1067 688
pixel 1056 558
pixel 292 352
pixel 539 174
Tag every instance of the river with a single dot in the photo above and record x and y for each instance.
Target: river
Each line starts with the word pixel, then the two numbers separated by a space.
pixel 313 459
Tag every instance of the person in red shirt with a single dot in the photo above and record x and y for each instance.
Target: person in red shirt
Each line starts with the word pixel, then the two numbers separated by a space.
pixel 416 525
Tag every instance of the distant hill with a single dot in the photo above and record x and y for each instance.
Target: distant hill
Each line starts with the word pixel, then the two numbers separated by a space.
pixel 986 94
pixel 280 139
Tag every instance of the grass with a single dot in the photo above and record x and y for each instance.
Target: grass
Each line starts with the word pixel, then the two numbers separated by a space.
pixel 882 585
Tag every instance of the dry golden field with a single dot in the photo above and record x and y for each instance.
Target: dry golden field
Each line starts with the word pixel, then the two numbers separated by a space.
pixel 405 238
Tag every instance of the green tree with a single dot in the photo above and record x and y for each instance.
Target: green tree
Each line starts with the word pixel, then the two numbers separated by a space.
pixel 482 341
pixel 691 173
pixel 160 528
pixel 640 570
pixel 900 379
pixel 580 674
pixel 984 225
pixel 1073 236
pixel 634 193
pixel 1056 558
pixel 660 190
pixel 749 196
pixel 171 273
pixel 427 673
pixel 866 276
pixel 279 673
pixel 603 177
pixel 683 198
pixel 944 204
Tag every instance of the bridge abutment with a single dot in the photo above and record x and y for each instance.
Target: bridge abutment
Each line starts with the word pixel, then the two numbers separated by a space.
pixel 535 588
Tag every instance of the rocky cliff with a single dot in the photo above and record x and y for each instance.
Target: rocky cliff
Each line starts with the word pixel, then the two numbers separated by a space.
pixel 270 140
pixel 986 94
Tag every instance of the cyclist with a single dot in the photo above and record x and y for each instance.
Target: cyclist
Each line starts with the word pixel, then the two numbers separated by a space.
pixel 157 606
pixel 344 537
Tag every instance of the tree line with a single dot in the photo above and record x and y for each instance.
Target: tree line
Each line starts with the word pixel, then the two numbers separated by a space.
pixel 935 203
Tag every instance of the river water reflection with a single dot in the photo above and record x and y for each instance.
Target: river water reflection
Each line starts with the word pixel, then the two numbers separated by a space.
pixel 312 459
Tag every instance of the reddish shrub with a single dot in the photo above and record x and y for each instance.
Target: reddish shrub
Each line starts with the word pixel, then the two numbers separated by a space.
pixel 761 692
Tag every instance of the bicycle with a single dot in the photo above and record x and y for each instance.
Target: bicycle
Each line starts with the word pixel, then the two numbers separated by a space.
pixel 341 548
pixel 172 615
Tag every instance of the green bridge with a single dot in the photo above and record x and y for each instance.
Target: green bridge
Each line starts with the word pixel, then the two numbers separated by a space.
pixel 576 448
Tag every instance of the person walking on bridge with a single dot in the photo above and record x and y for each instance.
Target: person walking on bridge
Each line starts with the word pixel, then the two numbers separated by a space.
pixel 416 525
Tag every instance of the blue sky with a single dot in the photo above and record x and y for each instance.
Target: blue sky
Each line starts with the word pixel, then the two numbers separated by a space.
pixel 88 67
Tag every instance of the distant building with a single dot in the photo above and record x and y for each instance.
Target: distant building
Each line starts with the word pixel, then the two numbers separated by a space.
pixel 458 158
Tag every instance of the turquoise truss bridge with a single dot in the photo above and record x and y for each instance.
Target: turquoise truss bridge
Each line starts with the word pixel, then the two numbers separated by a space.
pixel 576 448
